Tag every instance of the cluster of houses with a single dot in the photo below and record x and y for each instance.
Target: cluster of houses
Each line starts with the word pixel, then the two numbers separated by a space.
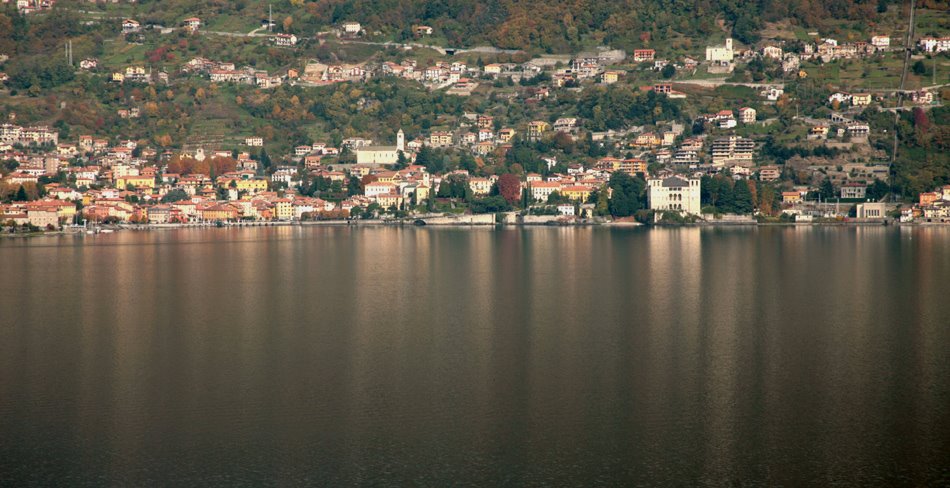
pixel 721 58
pixel 123 183
pixel 132 26
pixel 224 72
pixel 934 205
pixel 11 134
pixel 31 6
pixel 934 44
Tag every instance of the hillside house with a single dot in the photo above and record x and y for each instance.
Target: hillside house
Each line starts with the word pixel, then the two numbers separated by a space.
pixel 644 55
pixel 192 23
pixel 284 40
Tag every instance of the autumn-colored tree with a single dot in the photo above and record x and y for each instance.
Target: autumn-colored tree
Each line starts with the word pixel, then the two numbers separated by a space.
pixel 509 187
pixel 163 140
pixel 182 165
pixel 766 200
pixel 367 180
pixel 564 142
pixel 921 122
pixel 151 109
pixel 220 165
pixel 753 190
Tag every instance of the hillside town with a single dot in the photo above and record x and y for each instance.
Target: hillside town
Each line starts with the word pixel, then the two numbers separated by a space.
pixel 534 140
pixel 94 181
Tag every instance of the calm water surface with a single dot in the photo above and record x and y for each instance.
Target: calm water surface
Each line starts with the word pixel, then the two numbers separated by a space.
pixel 434 357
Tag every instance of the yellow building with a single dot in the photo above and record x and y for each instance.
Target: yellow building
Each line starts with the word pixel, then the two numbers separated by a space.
pixel 440 139
pixel 480 186
pixel 223 212
pixel 66 211
pixel 386 176
pixel 861 99
pixel 610 77
pixel 422 193
pixel 537 129
pixel 576 193
pixel 284 209
pixel 648 139
pixel 137 181
pixel 250 185
pixel 633 166
pixel 388 200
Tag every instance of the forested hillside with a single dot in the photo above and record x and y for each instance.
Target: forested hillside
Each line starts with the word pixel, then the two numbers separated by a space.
pixel 555 26
pixel 550 25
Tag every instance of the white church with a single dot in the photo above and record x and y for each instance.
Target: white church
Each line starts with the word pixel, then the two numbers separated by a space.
pixel 721 54
pixel 382 154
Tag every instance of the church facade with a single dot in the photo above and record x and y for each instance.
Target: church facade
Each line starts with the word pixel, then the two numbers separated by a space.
pixel 382 154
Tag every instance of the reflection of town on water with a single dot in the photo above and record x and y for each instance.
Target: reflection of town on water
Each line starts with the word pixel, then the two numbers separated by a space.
pixel 334 354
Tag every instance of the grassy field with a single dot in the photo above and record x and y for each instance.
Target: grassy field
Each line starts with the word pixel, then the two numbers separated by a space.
pixel 119 53
pixel 932 22
pixel 877 74
pixel 233 23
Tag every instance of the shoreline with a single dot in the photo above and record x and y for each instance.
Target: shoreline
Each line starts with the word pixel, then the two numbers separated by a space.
pixel 412 223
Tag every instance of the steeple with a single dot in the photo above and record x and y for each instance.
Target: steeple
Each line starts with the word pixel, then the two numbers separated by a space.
pixel 400 141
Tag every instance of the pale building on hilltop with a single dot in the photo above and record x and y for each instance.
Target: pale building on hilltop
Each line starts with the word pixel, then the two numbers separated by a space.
pixel 721 54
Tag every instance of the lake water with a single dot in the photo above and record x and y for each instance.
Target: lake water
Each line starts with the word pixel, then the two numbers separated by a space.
pixel 332 356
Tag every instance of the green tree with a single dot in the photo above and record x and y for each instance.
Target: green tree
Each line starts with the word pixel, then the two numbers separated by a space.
pixel 490 204
pixel 878 190
pixel 742 198
pixel 668 71
pixel 827 190
pixel 628 193
pixel 603 202
pixel 427 157
pixel 174 196
pixel 21 195
pixel 401 160
pixel 264 159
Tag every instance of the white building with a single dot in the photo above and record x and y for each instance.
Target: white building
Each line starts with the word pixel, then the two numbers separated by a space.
pixel 871 211
pixel 285 40
pixel 129 26
pixel 721 54
pixel 772 93
pixel 541 190
pixel 382 154
pixel 351 28
pixel 773 52
pixel 934 45
pixel 676 193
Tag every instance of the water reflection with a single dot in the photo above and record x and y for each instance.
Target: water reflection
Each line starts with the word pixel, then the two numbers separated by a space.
pixel 502 356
